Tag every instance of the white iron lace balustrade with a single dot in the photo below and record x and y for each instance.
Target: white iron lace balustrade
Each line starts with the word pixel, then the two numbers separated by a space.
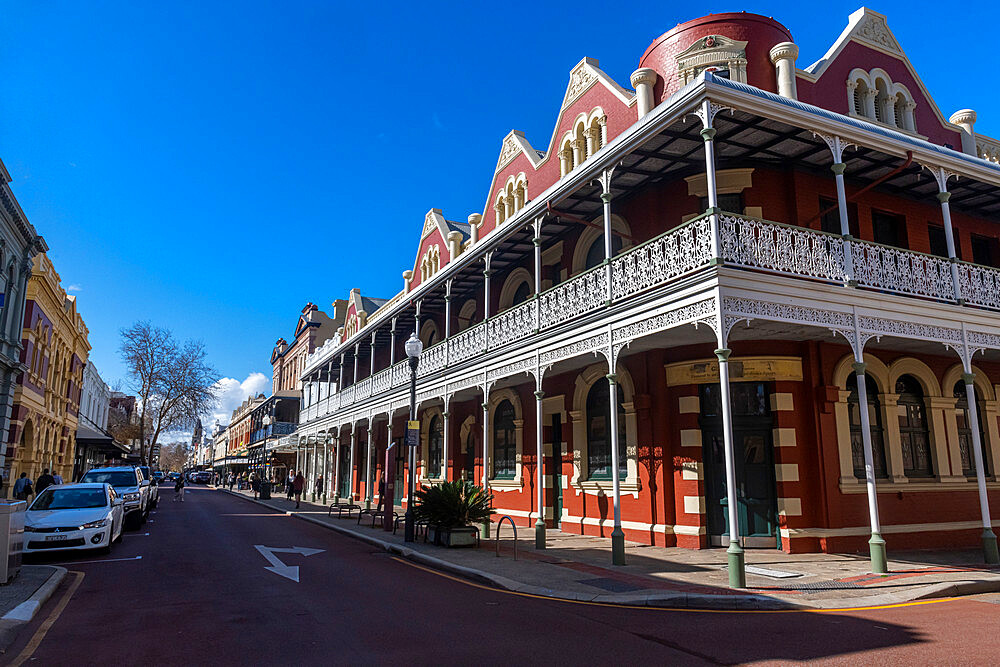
pixel 980 285
pixel 433 359
pixel 468 344
pixel 582 294
pixel 382 381
pixel 664 258
pixel 903 271
pixel 512 324
pixel 400 373
pixel 782 248
pixel 364 388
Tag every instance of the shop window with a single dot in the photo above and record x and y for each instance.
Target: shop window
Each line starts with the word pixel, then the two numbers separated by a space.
pixel 982 250
pixel 434 440
pixel 877 430
pixel 599 464
pixel 504 442
pixel 913 434
pixel 889 229
pixel 938 241
pixel 965 443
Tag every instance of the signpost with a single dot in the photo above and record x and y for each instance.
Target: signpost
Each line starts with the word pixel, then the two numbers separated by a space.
pixel 388 495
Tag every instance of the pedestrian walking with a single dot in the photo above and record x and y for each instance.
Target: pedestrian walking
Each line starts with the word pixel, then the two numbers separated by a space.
pixel 319 486
pixel 232 481
pixel 298 485
pixel 290 484
pixel 22 487
pixel 58 478
pixel 179 488
pixel 45 480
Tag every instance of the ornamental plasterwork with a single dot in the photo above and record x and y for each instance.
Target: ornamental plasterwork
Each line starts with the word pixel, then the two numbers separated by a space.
pixel 580 79
pixel 872 28
pixel 519 366
pixel 592 344
pixel 667 320
pixel 465 383
pixel 716 51
pixel 784 312
pixel 983 340
pixel 508 151
pixel 713 111
pixel 430 222
pixel 879 326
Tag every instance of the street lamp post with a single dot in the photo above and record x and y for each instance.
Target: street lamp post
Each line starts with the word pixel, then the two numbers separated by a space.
pixel 265 422
pixel 413 348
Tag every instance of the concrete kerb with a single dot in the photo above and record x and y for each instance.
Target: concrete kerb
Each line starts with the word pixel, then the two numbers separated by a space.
pixel 669 599
pixel 646 599
pixel 12 622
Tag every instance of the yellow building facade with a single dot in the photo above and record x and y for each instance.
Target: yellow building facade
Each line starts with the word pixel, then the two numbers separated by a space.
pixel 47 397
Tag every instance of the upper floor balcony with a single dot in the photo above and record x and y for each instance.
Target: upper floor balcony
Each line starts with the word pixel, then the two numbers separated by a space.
pixel 656 176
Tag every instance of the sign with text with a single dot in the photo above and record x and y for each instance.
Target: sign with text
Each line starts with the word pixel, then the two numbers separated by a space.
pixel 412 433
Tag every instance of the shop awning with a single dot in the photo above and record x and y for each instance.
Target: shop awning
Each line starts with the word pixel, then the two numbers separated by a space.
pixel 98 440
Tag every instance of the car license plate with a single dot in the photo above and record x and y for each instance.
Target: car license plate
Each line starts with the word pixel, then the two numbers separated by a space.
pixel 54 538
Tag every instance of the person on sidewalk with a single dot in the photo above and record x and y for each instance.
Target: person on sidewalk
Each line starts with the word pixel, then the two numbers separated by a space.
pixel 45 480
pixel 298 485
pixel 232 481
pixel 58 479
pixel 319 486
pixel 22 487
pixel 290 484
pixel 179 488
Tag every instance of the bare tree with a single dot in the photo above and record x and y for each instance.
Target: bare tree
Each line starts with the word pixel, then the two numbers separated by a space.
pixel 174 383
pixel 174 456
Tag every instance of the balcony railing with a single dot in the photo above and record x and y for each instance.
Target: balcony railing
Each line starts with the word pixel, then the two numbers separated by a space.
pixel 744 242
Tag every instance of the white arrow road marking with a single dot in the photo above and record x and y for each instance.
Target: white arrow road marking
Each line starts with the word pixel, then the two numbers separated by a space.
pixel 279 568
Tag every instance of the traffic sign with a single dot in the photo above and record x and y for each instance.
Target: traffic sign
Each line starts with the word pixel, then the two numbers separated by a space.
pixel 413 433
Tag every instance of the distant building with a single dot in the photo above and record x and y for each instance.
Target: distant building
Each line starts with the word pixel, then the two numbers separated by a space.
pixel 94 443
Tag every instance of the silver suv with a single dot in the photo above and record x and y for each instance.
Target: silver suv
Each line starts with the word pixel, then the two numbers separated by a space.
pixel 154 489
pixel 129 485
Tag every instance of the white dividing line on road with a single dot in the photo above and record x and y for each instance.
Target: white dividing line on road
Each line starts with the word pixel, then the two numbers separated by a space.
pixel 106 560
pixel 135 534
pixel 279 568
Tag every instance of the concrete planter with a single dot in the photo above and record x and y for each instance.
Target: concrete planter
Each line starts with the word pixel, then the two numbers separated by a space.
pixel 461 536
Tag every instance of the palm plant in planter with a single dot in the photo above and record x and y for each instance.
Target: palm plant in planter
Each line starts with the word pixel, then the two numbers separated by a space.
pixel 450 508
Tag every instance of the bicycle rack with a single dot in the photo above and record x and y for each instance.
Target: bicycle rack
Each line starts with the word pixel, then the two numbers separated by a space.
pixel 499 525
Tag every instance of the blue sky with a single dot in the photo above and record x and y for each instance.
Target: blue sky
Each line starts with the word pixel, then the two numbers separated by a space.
pixel 213 166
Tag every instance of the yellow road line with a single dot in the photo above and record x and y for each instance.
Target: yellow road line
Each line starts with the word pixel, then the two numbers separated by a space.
pixel 43 629
pixel 674 609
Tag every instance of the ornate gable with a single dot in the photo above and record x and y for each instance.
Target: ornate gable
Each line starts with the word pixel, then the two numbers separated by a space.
pixel 872 30
pixel 713 53
pixel 513 145
pixel 581 78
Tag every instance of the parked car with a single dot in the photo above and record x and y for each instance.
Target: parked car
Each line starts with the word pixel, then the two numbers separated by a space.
pixel 201 477
pixel 158 477
pixel 154 489
pixel 74 516
pixel 129 484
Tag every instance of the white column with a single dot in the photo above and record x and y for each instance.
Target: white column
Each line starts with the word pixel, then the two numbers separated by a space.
pixel 966 119
pixel 486 286
pixel 446 417
pixel 605 180
pixel 486 454
pixel 708 135
pixel 941 176
pixel 350 467
pixel 537 241
pixel 357 349
pixel 540 505
pixel 876 543
pixel 783 57
pixel 336 468
pixel 392 344
pixel 617 534
pixel 326 467
pixel 369 493
pixel 736 558
pixel 371 370
pixel 643 81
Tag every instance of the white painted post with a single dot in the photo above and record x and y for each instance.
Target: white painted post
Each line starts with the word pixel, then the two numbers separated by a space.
pixel 540 505
pixel 708 135
pixel 446 417
pixel 486 454
pixel 941 176
pixel 369 493
pixel 876 544
pixel 617 534
pixel 537 241
pixel 736 557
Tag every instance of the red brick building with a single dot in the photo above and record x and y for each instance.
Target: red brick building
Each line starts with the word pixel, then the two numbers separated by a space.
pixel 733 215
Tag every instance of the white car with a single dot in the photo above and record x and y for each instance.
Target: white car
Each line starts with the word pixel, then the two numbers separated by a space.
pixel 73 517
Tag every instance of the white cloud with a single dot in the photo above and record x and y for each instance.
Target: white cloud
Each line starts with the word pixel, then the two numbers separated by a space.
pixel 74 288
pixel 231 393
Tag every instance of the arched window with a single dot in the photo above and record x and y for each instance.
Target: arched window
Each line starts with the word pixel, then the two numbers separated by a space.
pixel 595 254
pixel 504 442
pixel 913 428
pixel 860 90
pixel 467 315
pixel 877 430
pixel 965 444
pixel 521 294
pixel 434 439
pixel 599 432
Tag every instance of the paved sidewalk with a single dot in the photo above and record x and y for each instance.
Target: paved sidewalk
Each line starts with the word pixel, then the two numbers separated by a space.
pixel 577 567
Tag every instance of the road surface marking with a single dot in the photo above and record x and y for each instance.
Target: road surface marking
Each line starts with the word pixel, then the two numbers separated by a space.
pixel 896 605
pixel 43 629
pixel 106 560
pixel 279 568
pixel 136 534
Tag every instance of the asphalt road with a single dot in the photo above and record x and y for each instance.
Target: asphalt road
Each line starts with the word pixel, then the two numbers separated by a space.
pixel 195 591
